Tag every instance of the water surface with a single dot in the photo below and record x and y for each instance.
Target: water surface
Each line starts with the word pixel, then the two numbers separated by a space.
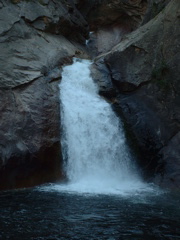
pixel 45 213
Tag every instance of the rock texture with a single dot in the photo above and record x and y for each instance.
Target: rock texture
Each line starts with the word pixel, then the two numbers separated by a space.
pixel 100 74
pixel 109 20
pixel 137 70
pixel 113 12
pixel 36 39
pixel 144 67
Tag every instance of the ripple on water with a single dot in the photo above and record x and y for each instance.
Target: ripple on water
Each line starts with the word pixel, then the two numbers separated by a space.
pixel 47 213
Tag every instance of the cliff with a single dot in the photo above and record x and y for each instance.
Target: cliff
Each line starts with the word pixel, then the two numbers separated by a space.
pixel 136 49
pixel 144 67
pixel 36 39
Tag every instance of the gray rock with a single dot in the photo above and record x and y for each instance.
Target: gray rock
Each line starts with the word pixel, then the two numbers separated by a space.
pixel 29 135
pixel 7 22
pixel 30 71
pixel 144 67
pixel 171 156
pixel 24 59
pixel 101 76
pixel 33 10
pixel 127 13
pixel 38 37
pixel 111 20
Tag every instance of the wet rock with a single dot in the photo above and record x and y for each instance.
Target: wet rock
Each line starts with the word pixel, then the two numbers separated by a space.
pixel 101 76
pixel 144 67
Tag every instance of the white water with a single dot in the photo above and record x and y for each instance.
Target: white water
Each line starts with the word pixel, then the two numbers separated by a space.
pixel 87 41
pixel 97 159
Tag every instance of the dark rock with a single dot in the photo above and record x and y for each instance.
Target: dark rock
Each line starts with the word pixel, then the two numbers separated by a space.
pixel 171 157
pixel 52 16
pixel 111 20
pixel 101 76
pixel 38 37
pixel 154 8
pixel 25 169
pixel 30 71
pixel 105 13
pixel 144 67
pixel 127 70
pixel 29 134
pixel 150 126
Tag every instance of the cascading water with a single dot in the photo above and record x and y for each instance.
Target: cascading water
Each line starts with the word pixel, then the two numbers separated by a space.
pixel 98 161
pixel 93 142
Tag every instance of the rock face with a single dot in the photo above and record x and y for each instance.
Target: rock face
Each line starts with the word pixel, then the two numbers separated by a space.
pixel 126 13
pixel 109 20
pixel 144 67
pixel 137 70
pixel 35 41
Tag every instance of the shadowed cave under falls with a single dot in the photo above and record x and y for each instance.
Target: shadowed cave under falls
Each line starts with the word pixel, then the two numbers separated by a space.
pixel 96 156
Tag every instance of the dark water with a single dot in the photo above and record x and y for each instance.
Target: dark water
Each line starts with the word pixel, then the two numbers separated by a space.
pixel 40 215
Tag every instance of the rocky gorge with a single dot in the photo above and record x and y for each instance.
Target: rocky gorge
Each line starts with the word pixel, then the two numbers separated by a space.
pixel 135 47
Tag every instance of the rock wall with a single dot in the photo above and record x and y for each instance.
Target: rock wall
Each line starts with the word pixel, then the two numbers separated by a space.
pixel 137 70
pixel 109 20
pixel 36 39
pixel 144 67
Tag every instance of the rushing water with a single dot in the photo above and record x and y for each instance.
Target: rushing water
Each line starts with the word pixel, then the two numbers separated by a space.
pixel 94 145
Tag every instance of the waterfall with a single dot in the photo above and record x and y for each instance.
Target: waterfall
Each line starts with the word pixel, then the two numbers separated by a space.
pixel 96 155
